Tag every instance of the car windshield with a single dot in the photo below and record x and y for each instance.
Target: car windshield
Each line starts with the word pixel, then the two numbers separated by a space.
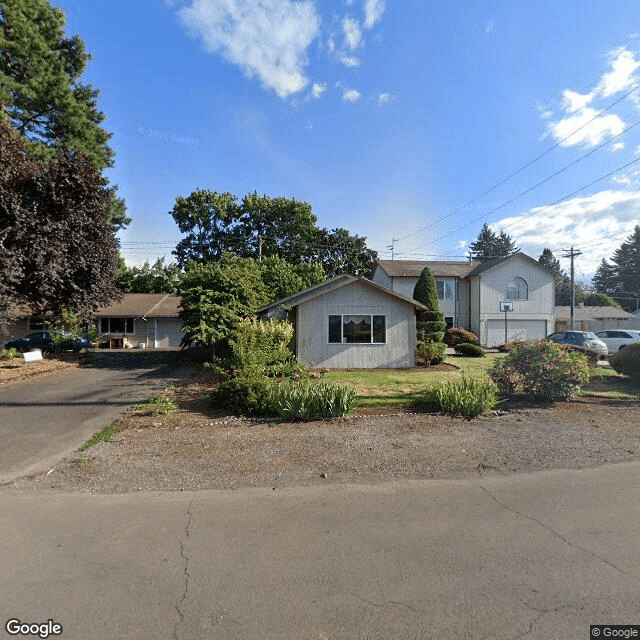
pixel 589 335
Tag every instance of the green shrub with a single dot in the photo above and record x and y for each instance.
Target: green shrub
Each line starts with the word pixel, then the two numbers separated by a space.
pixel 249 393
pixel 627 361
pixel 431 326
pixel 467 396
pixel 455 335
pixel 541 370
pixel 309 401
pixel 468 349
pixel 8 354
pixel 259 342
pixel 432 352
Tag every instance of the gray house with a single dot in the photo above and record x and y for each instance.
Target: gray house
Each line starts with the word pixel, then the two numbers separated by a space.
pixel 595 318
pixel 351 323
pixel 470 294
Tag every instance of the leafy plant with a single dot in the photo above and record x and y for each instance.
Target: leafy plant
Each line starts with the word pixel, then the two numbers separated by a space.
pixel 468 349
pixel 249 393
pixel 259 342
pixel 432 352
pixel 8 354
pixel 541 370
pixel 454 335
pixel 308 401
pixel 467 396
pixel 158 404
pixel 627 361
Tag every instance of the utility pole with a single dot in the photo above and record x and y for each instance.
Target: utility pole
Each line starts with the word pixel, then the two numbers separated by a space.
pixel 570 253
pixel 392 246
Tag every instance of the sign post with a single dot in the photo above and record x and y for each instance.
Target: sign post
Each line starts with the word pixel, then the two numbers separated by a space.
pixel 506 306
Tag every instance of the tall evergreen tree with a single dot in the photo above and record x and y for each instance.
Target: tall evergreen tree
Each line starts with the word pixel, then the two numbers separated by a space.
pixel 547 259
pixel 41 92
pixel 490 245
pixel 620 278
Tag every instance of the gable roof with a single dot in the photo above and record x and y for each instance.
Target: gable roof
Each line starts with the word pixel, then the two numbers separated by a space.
pixel 331 285
pixel 593 313
pixel 490 264
pixel 413 268
pixel 143 305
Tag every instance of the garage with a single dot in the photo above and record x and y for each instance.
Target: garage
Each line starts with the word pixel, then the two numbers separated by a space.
pixel 516 330
pixel 168 333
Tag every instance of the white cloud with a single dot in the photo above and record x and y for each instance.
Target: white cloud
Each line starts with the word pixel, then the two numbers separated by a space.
pixel 578 108
pixel 595 224
pixel 349 61
pixel 590 134
pixel 385 97
pixel 618 146
pixel 620 78
pixel 352 33
pixel 318 89
pixel 265 38
pixel 373 10
pixel 350 95
pixel 489 28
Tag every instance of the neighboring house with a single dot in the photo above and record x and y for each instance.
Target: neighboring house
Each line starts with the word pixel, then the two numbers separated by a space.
pixel 595 318
pixel 141 319
pixel 149 319
pixel 351 323
pixel 470 294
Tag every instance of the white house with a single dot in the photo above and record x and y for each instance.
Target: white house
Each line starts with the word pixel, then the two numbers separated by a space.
pixel 470 294
pixel 351 323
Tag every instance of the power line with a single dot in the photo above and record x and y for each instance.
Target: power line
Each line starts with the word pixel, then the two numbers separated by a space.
pixel 535 186
pixel 522 168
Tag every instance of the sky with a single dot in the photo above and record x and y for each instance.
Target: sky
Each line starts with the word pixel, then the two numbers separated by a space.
pixel 411 123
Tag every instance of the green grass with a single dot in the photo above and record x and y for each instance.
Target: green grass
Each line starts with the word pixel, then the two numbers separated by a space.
pixel 108 433
pixel 158 404
pixel 401 388
pixel 607 383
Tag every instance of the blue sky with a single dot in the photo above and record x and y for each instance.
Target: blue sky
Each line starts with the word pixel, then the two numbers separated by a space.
pixel 392 119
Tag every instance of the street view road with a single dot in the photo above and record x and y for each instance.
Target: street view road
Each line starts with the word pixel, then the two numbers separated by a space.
pixel 532 556
pixel 44 418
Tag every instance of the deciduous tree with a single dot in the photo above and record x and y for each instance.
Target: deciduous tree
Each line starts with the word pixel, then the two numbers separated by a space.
pixel 57 247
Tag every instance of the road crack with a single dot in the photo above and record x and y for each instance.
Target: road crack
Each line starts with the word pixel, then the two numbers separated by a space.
pixel 556 534
pixel 184 539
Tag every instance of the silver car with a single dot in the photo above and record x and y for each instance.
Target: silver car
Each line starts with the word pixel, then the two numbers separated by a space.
pixel 584 339
pixel 617 339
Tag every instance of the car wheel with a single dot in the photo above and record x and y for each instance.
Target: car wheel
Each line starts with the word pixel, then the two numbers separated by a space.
pixel 622 346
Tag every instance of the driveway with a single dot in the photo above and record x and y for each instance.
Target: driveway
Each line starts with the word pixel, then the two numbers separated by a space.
pixel 533 556
pixel 44 418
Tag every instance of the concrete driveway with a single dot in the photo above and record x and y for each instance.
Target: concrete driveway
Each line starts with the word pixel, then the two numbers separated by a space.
pixel 538 556
pixel 44 418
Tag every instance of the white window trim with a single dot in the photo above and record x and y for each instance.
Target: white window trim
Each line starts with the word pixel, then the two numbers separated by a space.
pixel 452 285
pixel 371 315
pixel 526 284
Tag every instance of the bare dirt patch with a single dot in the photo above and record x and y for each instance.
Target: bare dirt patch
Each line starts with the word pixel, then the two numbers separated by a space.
pixel 199 447
pixel 17 369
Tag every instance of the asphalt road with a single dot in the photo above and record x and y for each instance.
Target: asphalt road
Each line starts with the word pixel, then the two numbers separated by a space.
pixel 533 556
pixel 44 418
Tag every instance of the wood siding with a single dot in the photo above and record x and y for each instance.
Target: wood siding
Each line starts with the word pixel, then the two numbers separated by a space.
pixel 530 319
pixel 312 330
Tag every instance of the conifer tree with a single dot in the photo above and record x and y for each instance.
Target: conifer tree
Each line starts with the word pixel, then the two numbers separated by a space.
pixel 431 325
pixel 490 245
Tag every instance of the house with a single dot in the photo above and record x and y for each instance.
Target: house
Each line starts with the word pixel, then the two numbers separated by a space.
pixel 148 320
pixel 470 294
pixel 595 318
pixel 351 323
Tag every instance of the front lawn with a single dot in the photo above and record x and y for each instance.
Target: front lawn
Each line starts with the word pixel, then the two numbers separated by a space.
pixel 383 388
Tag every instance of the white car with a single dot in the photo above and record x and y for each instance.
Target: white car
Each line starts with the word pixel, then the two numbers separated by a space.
pixel 617 339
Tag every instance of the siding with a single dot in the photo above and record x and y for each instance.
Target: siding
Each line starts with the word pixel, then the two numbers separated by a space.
pixel 490 287
pixel 312 330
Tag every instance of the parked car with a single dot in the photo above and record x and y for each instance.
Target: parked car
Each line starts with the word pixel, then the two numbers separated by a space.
pixel 586 340
pixel 42 340
pixel 617 339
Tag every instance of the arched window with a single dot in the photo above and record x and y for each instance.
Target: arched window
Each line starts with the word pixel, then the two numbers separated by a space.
pixel 517 289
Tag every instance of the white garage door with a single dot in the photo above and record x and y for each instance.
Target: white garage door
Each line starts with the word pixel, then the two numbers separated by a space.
pixel 516 330
pixel 168 333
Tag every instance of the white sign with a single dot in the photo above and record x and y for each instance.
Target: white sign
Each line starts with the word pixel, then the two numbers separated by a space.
pixel 31 356
pixel 506 306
